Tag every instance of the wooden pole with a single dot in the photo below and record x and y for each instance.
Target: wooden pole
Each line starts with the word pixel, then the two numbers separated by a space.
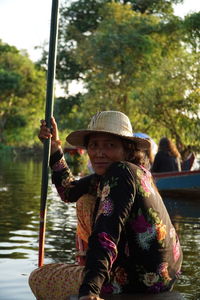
pixel 48 115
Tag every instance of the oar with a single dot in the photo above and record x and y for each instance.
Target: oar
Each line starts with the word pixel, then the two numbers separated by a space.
pixel 48 115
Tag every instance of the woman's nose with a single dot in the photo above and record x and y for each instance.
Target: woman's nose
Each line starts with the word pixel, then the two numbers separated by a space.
pixel 100 152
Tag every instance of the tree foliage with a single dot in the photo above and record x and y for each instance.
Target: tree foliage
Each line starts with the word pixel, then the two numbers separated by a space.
pixel 191 30
pixel 22 92
pixel 134 56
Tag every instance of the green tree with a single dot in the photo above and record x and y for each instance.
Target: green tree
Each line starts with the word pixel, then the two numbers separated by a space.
pixel 121 47
pixel 191 31
pixel 22 94
pixel 82 18
pixel 171 98
pixel 138 58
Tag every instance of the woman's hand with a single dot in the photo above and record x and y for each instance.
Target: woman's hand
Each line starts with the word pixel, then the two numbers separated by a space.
pixel 46 133
pixel 90 297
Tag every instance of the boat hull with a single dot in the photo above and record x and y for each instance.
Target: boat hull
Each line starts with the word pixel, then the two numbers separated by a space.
pixel 162 296
pixel 186 183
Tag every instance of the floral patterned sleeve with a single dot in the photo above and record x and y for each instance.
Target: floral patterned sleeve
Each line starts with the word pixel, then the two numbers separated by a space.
pixel 115 203
pixel 69 189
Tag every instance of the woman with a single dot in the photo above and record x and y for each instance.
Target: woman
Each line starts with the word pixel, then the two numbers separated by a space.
pixel 132 246
pixel 168 158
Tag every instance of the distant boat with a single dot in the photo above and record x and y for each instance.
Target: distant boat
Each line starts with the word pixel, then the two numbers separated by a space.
pixel 178 184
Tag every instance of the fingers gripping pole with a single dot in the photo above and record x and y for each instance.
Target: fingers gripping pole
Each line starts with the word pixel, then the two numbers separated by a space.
pixel 48 115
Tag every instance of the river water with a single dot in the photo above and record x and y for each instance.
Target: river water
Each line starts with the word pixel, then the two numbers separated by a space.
pixel 20 185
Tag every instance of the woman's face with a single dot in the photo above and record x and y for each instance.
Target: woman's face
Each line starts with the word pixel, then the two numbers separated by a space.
pixel 104 149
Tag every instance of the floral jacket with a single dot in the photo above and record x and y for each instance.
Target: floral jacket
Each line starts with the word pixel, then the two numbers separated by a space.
pixel 133 246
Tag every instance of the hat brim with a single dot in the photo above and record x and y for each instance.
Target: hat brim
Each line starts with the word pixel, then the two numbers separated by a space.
pixel 77 138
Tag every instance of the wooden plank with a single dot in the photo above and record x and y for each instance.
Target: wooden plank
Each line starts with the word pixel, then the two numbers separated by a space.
pixel 139 296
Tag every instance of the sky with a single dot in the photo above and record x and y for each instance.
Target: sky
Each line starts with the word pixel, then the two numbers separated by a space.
pixel 26 23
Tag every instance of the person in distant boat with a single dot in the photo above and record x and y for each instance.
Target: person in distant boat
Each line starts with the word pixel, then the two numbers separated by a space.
pixel 188 159
pixel 132 245
pixel 168 158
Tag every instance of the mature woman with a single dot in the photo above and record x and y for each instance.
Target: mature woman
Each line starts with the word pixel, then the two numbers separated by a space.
pixel 132 244
pixel 168 158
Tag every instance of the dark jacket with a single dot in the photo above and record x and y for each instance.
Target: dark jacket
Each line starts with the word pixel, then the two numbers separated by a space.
pixel 164 162
pixel 133 245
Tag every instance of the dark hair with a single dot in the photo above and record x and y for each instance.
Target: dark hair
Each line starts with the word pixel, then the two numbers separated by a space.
pixel 167 145
pixel 135 155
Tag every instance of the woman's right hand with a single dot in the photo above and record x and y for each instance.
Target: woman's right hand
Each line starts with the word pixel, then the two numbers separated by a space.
pixel 46 133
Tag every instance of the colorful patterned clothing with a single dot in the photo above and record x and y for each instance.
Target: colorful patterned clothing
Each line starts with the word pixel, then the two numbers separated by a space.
pixel 133 246
pixel 84 195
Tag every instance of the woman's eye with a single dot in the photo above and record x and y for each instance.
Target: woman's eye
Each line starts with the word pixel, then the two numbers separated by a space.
pixel 106 145
pixel 91 145
pixel 111 145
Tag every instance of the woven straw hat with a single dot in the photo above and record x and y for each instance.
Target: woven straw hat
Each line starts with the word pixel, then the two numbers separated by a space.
pixel 112 122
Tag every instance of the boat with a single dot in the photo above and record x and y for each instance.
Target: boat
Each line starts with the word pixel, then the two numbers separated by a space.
pixel 178 184
pixel 174 295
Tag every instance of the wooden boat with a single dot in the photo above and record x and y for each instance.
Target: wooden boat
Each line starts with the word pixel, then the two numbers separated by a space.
pixel 181 184
pixel 162 296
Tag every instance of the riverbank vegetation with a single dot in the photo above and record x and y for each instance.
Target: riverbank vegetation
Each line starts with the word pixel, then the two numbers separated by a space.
pixel 22 92
pixel 134 56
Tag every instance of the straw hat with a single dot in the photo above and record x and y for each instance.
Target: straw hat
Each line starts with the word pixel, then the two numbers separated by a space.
pixel 112 122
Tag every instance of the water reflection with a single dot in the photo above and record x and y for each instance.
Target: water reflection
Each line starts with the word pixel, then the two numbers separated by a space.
pixel 60 230
pixel 20 185
pixel 185 214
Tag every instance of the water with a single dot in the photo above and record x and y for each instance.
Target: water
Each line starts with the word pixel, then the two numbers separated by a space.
pixel 20 185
